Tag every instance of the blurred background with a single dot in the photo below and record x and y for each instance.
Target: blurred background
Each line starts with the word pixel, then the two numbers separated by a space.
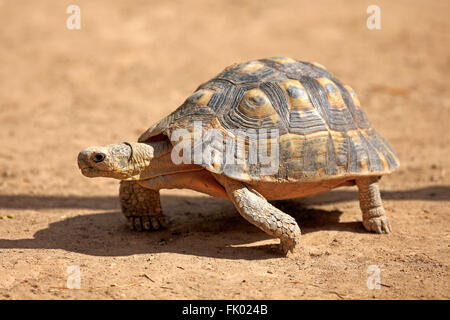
pixel 133 62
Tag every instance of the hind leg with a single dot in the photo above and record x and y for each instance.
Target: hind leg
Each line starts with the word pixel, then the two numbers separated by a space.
pixel 373 214
pixel 259 212
pixel 141 206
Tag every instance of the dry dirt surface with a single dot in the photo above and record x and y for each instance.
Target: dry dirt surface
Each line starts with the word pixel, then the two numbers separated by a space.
pixel 133 62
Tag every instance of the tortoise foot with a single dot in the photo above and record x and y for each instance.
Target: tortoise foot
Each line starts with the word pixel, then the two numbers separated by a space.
pixel 377 225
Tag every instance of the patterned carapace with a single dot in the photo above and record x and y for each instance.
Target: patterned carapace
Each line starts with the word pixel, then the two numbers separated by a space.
pixel 323 132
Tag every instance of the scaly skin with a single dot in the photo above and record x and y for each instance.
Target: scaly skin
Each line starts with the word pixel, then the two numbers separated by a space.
pixel 141 206
pixel 373 214
pixel 259 212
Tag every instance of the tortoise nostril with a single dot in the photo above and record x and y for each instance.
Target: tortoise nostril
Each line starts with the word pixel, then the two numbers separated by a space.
pixel 99 157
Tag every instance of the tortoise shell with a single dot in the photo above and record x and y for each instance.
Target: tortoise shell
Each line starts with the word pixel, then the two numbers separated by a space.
pixel 313 122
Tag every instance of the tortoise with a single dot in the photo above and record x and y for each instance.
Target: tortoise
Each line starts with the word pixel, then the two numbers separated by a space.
pixel 297 114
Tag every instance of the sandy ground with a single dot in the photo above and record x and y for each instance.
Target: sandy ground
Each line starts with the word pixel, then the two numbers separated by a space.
pixel 132 63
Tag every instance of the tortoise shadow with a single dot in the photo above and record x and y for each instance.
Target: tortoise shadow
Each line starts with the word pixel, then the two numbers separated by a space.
pixel 106 234
pixel 226 237
pixel 213 229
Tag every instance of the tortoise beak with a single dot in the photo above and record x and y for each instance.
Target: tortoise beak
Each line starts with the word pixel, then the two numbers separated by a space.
pixel 83 159
pixel 87 159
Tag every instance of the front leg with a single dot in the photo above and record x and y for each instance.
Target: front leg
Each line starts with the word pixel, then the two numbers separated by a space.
pixel 259 212
pixel 373 214
pixel 141 206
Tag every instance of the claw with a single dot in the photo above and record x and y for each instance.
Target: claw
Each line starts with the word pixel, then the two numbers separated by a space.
pixel 155 222
pixel 287 246
pixel 146 223
pixel 378 225
pixel 137 223
pixel 387 227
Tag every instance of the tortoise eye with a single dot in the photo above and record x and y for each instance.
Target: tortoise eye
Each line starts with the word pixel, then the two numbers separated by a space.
pixel 99 157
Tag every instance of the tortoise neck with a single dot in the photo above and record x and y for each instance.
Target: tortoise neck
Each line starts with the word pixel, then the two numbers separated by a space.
pixel 155 159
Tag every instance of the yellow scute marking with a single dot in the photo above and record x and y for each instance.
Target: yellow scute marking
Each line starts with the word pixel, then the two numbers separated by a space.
pixel 318 65
pixel 362 162
pixel 204 99
pixel 334 98
pixel 251 66
pixel 255 104
pixel 292 145
pixel 353 95
pixel 300 103
pixel 316 135
pixel 274 118
pixel 380 155
pixel 283 60
pixel 290 82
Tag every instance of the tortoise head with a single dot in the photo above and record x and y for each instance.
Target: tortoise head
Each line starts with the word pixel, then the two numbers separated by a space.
pixel 123 161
